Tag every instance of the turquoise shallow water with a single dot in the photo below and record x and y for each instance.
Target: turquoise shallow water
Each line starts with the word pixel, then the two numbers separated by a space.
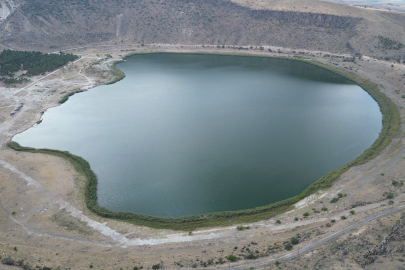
pixel 187 134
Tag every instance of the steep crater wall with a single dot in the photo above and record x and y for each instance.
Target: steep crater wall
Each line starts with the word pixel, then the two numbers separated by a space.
pixel 45 24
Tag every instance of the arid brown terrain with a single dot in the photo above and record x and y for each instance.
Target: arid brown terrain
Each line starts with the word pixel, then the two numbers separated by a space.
pixel 304 24
pixel 43 219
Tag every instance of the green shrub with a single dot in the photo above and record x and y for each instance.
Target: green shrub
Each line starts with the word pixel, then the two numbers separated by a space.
pixel 295 219
pixel 334 200
pixel 343 217
pixel 232 258
pixel 278 221
pixel 288 246
pixel 8 261
pixel 324 209
pixel 251 256
pixel 397 184
pixel 352 212
pixel 294 241
pixel 306 214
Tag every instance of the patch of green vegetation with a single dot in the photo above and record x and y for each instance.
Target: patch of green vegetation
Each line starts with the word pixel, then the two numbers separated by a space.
pixel 389 44
pixel 33 63
pixel 397 184
pixel 66 97
pixel 294 241
pixel 334 200
pixel 117 73
pixel 232 258
pixel 241 228
pixel 9 81
pixel 390 127
pixel 288 246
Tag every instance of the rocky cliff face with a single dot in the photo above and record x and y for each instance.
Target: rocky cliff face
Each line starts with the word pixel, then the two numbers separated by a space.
pixel 49 24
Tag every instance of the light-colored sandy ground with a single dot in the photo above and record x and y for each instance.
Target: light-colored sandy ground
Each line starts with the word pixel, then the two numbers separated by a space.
pixel 51 227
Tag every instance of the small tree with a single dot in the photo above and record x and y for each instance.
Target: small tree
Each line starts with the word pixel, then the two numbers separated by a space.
pixel 294 241
pixel 156 266
pixel 8 261
pixel 334 200
pixel 288 246
pixel 232 258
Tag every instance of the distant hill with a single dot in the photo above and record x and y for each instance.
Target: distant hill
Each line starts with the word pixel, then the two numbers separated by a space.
pixel 396 5
pixel 50 25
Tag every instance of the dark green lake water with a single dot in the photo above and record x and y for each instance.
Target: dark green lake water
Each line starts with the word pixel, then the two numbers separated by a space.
pixel 187 134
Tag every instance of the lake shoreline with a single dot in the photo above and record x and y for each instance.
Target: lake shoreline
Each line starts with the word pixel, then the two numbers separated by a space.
pixel 389 130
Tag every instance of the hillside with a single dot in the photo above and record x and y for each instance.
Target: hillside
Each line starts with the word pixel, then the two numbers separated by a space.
pixel 308 24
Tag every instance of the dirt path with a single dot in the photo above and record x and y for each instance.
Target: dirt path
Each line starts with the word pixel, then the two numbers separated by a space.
pixel 33 230
pixel 304 249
